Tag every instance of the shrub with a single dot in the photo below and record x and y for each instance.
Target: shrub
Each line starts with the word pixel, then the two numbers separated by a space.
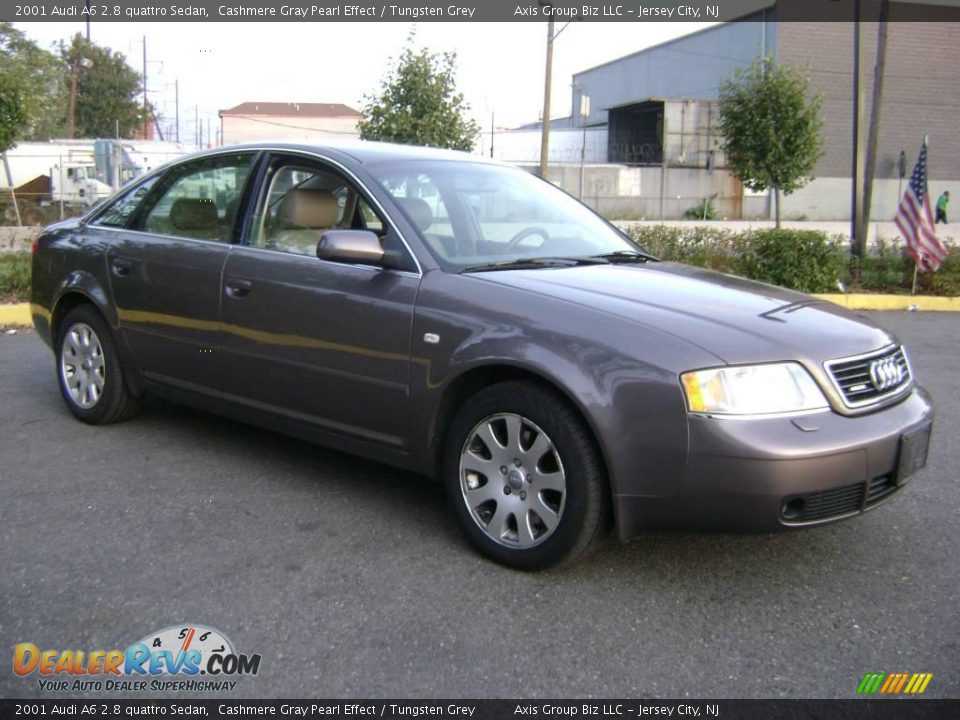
pixel 14 276
pixel 891 271
pixel 701 246
pixel 703 211
pixel 804 260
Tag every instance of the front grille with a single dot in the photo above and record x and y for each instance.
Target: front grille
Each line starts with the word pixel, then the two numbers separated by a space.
pixel 867 379
pixel 838 502
pixel 879 488
pixel 831 503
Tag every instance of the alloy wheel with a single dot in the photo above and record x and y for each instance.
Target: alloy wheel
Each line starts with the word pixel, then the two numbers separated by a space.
pixel 512 480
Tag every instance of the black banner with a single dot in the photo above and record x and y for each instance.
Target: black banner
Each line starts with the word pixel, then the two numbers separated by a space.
pixel 466 10
pixel 892 709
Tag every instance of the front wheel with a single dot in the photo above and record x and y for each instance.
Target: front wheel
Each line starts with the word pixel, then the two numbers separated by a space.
pixel 91 378
pixel 524 477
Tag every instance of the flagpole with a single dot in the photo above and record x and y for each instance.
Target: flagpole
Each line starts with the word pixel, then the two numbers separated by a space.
pixel 916 264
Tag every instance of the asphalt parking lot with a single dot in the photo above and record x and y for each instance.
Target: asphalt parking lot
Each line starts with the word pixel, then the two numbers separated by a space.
pixel 350 579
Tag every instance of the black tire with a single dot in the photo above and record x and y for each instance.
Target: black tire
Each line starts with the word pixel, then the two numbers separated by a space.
pixel 582 507
pixel 113 401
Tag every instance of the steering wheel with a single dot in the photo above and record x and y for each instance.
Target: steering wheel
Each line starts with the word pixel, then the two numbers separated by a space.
pixel 525 233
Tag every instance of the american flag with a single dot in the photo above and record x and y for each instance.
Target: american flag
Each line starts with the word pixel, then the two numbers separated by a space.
pixel 915 219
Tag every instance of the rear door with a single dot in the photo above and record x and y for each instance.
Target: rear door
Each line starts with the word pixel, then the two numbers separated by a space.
pixel 317 342
pixel 165 268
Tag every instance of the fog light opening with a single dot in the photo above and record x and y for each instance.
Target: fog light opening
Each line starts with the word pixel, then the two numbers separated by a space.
pixel 793 509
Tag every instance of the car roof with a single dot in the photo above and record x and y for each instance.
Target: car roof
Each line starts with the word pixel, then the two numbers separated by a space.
pixel 362 151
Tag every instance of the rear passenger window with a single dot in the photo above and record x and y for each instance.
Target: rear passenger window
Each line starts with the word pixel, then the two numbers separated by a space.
pixel 201 199
pixel 119 213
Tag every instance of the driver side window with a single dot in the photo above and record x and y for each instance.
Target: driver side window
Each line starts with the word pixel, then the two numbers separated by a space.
pixel 301 202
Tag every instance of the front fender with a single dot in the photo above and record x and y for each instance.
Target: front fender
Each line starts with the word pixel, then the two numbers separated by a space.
pixel 630 399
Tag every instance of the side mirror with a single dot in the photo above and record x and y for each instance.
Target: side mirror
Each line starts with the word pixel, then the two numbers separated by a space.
pixel 351 246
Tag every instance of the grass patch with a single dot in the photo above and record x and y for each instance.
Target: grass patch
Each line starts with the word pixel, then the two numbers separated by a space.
pixel 15 277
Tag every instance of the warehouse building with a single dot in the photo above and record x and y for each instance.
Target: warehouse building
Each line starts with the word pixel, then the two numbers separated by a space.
pixel 656 109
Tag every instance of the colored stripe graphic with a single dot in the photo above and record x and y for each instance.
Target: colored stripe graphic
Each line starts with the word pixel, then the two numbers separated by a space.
pixel 871 682
pixel 918 683
pixel 894 683
pixel 890 682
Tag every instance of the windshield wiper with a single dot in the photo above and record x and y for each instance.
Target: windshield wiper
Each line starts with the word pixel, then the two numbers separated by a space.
pixel 536 263
pixel 623 256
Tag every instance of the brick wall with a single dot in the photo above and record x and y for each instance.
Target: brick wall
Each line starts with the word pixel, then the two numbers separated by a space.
pixel 921 90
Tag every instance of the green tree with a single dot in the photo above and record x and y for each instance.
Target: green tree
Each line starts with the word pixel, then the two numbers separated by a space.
pixel 13 118
pixel 108 90
pixel 38 74
pixel 418 104
pixel 771 128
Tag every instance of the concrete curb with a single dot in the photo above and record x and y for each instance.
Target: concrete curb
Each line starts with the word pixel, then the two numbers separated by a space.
pixel 928 303
pixel 19 313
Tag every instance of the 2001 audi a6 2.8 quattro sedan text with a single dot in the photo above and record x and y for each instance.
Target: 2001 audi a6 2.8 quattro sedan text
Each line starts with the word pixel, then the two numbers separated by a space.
pixel 469 321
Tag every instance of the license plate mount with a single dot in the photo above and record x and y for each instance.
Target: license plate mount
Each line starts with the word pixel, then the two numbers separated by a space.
pixel 914 447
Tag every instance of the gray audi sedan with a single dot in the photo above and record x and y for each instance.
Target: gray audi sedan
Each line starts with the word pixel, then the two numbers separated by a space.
pixel 469 321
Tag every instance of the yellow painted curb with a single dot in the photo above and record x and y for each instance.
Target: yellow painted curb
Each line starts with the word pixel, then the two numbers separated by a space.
pixel 18 314
pixel 930 303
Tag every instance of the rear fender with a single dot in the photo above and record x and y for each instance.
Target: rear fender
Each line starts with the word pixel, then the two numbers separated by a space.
pixel 86 284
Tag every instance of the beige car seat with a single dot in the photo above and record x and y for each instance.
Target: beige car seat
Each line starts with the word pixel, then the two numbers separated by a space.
pixel 419 212
pixel 302 216
pixel 195 218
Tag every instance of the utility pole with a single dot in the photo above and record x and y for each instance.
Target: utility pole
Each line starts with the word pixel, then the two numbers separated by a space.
pixel 71 126
pixel 196 124
pixel 584 115
pixel 146 116
pixel 857 240
pixel 176 105
pixel 88 21
pixel 547 81
pixel 81 64
pixel 871 165
pixel 13 196
pixel 491 133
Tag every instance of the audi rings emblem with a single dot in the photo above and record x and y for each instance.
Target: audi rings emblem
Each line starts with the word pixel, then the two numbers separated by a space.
pixel 886 373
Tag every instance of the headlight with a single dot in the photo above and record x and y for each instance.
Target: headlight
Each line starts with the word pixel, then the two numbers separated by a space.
pixel 752 390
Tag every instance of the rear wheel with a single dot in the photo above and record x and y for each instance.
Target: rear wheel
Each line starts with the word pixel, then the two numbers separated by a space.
pixel 91 378
pixel 524 477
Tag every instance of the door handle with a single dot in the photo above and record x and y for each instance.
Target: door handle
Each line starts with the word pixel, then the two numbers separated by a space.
pixel 237 288
pixel 121 266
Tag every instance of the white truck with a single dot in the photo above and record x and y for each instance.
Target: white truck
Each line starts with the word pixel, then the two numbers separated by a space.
pixel 76 183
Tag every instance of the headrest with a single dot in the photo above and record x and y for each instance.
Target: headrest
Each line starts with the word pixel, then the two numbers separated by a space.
pixel 418 211
pixel 309 208
pixel 193 214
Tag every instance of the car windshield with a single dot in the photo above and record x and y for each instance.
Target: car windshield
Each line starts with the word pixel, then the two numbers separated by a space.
pixel 474 215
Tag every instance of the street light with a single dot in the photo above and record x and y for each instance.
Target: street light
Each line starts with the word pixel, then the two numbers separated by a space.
pixel 81 64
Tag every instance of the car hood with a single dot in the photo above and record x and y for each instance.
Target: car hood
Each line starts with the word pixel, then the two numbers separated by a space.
pixel 735 319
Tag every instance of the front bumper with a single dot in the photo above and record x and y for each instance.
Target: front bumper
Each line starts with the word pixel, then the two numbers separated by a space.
pixel 768 474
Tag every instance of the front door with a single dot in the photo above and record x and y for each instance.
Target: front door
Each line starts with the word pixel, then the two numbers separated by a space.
pixel 321 343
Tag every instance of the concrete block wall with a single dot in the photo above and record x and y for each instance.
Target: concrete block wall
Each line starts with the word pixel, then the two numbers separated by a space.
pixel 14 239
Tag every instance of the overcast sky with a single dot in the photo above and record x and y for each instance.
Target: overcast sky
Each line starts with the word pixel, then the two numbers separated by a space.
pixel 220 65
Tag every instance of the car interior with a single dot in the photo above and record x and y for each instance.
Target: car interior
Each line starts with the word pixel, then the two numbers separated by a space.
pixel 301 203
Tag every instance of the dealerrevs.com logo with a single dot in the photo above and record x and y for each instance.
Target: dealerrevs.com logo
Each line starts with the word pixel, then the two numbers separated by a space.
pixel 178 658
